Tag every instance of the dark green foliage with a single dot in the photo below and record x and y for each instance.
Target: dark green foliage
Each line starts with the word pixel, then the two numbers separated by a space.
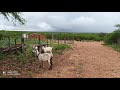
pixel 62 36
pixel 102 34
pixel 1 56
pixel 116 47
pixel 76 36
pixel 59 48
pixel 111 40
pixel 112 37
pixel 14 16
pixel 118 25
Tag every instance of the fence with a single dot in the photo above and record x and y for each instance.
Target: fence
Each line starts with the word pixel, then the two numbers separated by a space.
pixel 11 43
pixel 66 40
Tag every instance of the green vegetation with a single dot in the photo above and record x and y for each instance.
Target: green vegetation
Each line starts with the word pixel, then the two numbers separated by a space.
pixel 24 60
pixel 21 58
pixel 116 47
pixel 59 48
pixel 14 16
pixel 2 56
pixel 113 39
pixel 4 42
pixel 76 36
pixel 30 74
pixel 61 36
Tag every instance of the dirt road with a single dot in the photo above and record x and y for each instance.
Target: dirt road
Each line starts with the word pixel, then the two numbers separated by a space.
pixel 85 60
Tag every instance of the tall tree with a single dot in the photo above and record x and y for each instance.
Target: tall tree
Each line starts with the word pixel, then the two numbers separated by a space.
pixel 14 16
pixel 118 25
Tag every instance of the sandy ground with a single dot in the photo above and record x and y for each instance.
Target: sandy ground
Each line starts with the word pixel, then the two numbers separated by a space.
pixel 85 60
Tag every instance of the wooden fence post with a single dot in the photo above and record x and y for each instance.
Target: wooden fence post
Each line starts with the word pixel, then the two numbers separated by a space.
pixel 15 45
pixel 52 37
pixel 9 41
pixel 22 41
pixel 9 44
pixel 15 40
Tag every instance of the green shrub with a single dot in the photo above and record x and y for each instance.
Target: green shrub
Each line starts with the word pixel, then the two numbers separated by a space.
pixel 116 47
pixel 112 37
pixel 21 58
pixel 59 48
pixel 1 56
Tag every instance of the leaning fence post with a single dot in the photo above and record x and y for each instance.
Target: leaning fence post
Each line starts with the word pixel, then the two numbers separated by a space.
pixel 15 44
pixel 9 44
pixel 9 41
pixel 22 41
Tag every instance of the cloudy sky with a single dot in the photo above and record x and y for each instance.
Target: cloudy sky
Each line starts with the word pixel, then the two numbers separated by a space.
pixel 65 22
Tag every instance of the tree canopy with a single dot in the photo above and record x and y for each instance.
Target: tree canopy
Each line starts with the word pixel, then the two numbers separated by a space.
pixel 15 16
pixel 118 25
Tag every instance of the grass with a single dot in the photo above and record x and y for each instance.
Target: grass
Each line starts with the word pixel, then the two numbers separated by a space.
pixel 3 43
pixel 2 56
pixel 22 61
pixel 116 47
pixel 23 57
pixel 59 48
pixel 30 74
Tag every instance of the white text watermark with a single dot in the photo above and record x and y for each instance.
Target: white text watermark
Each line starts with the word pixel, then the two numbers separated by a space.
pixel 11 72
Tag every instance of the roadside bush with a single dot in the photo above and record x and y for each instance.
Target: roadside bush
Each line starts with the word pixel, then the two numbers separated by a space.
pixel 1 56
pixel 112 37
pixel 59 48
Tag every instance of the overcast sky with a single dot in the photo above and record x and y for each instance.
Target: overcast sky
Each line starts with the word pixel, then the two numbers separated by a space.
pixel 65 22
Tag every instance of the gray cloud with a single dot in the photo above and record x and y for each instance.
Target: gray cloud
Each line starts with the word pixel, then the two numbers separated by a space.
pixel 65 21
